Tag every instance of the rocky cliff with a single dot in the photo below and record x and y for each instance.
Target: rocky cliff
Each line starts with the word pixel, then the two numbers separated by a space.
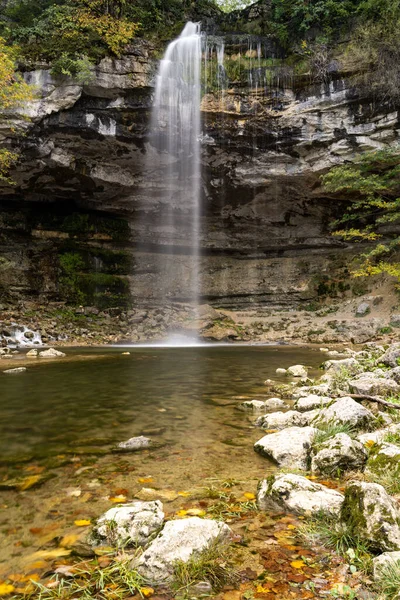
pixel 78 214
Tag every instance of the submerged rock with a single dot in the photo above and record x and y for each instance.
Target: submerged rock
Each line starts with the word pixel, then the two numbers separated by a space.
pixel 347 411
pixel 252 405
pixel 178 541
pixel 51 353
pixel 15 371
pixel 129 524
pixel 297 494
pixel 32 353
pixel 374 514
pixel 152 494
pixel 133 444
pixel 339 453
pixel 289 448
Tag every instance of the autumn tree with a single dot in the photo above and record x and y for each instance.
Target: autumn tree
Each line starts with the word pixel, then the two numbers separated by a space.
pixel 13 92
pixel 371 187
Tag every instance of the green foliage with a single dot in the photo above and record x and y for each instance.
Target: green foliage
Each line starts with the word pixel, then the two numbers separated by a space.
pixel 118 580
pixel 80 69
pixel 231 5
pixel 372 187
pixel 389 580
pixel 214 564
pixel 327 431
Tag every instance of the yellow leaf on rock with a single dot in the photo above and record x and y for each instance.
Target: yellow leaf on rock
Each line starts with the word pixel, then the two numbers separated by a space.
pixel 297 564
pixel 117 499
pixel 146 591
pixel 82 522
pixel 369 443
pixel 249 496
pixel 6 588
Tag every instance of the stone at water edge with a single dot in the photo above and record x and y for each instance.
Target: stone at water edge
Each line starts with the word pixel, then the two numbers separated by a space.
pixel 275 403
pixel 297 494
pixel 369 385
pixel 32 353
pixel 312 402
pixel 384 561
pixel 297 371
pixel 348 412
pixel 289 448
pixel 51 353
pixel 339 453
pixel 252 405
pixel 351 365
pixel 281 371
pixel 15 371
pixel 282 420
pixel 373 513
pixel 131 524
pixel 178 541
pixel 136 443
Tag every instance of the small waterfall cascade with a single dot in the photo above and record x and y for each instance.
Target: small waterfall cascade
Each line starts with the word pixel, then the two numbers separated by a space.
pixel 175 134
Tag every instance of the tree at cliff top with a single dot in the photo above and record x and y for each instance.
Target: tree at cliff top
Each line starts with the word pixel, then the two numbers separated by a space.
pixel 13 92
pixel 372 187
pixel 231 5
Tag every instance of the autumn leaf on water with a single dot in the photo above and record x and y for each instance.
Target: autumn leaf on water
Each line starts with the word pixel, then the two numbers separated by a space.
pixel 82 522
pixel 50 554
pixel 29 482
pixel 69 540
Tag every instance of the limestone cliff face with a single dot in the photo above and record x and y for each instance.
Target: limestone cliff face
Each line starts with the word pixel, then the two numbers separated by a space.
pixel 85 180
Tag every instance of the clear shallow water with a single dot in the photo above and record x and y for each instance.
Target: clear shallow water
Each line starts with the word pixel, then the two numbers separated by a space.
pixel 64 417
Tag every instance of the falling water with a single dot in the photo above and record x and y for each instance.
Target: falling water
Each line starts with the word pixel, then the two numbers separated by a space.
pixel 175 133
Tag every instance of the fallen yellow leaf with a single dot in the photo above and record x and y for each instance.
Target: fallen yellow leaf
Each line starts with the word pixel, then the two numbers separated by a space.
pixel 312 477
pixel 262 590
pixel 184 494
pixel 146 591
pixel 28 482
pixel 48 554
pixel 369 443
pixel 145 479
pixel 297 564
pixel 117 499
pixel 68 540
pixel 249 496
pixel 82 522
pixel 181 513
pixel 291 527
pixel 6 588
pixel 196 512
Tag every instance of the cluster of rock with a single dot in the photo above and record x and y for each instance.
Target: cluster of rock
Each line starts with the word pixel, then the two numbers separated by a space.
pixel 141 524
pixel 307 438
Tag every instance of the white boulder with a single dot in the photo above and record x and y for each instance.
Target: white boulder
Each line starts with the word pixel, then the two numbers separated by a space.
pixel 297 494
pixel 384 562
pixel 130 524
pixel 339 453
pixel 178 541
pixel 347 411
pixel 289 448
pixel 135 443
pixel 291 418
pixel 51 353
pixel 312 402
pixel 297 371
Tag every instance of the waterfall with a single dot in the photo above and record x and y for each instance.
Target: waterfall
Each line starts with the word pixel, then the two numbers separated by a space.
pixel 175 134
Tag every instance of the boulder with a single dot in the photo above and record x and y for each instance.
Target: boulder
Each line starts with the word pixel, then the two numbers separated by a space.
pixel 391 356
pixel 383 457
pixel 281 371
pixel 178 541
pixel 347 411
pixel 339 453
pixel 375 516
pixel 378 436
pixel 272 403
pixel 385 561
pixel 32 353
pixel 291 418
pixel 252 405
pixel 311 402
pixel 363 309
pixel 297 494
pixel 393 374
pixel 136 443
pixel 129 524
pixel 370 385
pixel 51 353
pixel 297 371
pixel 351 365
pixel 15 371
pixel 317 390
pixel 289 448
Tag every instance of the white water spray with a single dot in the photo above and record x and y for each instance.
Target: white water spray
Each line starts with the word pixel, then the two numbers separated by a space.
pixel 175 132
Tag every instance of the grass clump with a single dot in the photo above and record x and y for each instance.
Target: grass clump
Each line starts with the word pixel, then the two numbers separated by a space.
pixel 389 581
pixel 215 565
pixel 117 580
pixel 328 430
pixel 340 537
